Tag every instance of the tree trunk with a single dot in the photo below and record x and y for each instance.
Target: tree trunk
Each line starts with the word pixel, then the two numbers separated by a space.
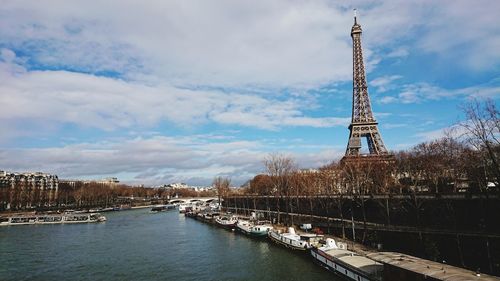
pixel 388 214
pixel 310 209
pixel 278 209
pixel 352 221
pixel 327 210
pixel 341 210
pixel 364 218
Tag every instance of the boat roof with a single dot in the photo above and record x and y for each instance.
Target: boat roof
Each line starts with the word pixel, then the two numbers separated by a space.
pixel 310 235
pixel 337 253
pixel 354 260
pixel 432 269
pixel 360 262
pixel 291 235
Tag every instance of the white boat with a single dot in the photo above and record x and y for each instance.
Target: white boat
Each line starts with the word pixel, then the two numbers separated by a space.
pixel 256 229
pixel 205 216
pixel 52 219
pixel 185 207
pixel 346 263
pixel 162 208
pixel 293 240
pixel 228 222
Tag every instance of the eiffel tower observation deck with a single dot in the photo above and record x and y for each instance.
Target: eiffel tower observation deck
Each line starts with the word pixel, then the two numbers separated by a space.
pixel 363 123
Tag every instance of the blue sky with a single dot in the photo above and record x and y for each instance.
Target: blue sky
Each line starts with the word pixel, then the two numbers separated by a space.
pixel 173 91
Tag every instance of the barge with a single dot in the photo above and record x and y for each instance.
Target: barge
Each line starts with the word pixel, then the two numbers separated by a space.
pixel 254 229
pixel 52 219
pixel 347 264
pixel 162 208
pixel 227 221
pixel 293 240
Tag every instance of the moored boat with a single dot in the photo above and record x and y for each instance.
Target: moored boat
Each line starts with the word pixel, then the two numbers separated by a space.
pixel 52 219
pixel 185 207
pixel 226 221
pixel 190 214
pixel 208 217
pixel 162 208
pixel 255 229
pixel 346 263
pixel 293 240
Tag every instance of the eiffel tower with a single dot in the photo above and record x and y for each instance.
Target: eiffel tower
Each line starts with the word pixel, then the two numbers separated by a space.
pixel 363 124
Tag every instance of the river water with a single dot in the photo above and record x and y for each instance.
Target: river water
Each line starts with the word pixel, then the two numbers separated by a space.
pixel 137 245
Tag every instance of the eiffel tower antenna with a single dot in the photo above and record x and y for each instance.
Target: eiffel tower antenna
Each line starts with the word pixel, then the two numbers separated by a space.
pixel 363 124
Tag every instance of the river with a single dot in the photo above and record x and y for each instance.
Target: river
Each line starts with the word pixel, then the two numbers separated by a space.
pixel 137 245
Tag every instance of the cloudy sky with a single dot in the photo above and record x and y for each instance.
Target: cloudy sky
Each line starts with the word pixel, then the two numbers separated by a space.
pixel 165 91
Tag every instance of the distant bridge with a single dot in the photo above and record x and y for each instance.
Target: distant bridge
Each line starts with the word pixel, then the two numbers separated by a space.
pixel 192 200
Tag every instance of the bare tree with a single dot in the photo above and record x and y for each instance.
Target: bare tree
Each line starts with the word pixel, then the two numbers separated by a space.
pixel 280 168
pixel 222 186
pixel 358 177
pixel 331 185
pixel 482 130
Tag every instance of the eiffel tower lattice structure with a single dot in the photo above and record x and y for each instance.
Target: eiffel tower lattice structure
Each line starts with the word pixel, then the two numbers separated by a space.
pixel 363 124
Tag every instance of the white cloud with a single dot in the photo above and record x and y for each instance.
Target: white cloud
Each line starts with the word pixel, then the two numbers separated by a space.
pixel 473 42
pixel 422 92
pixel 394 125
pixel 55 98
pixel 400 52
pixel 465 33
pixel 455 131
pixel 236 43
pixel 155 160
pixel 384 83
pixel 388 99
pixel 7 55
pixel 189 43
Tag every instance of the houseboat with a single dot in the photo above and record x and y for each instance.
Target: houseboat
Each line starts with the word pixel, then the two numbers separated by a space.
pixel 226 221
pixel 293 240
pixel 185 207
pixel 251 228
pixel 162 208
pixel 347 264
pixel 52 219
pixel 208 217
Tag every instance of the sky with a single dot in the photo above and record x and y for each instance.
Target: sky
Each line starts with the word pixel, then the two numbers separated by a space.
pixel 155 92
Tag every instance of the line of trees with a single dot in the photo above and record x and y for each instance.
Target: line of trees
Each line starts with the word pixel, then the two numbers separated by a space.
pixel 86 194
pixel 26 196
